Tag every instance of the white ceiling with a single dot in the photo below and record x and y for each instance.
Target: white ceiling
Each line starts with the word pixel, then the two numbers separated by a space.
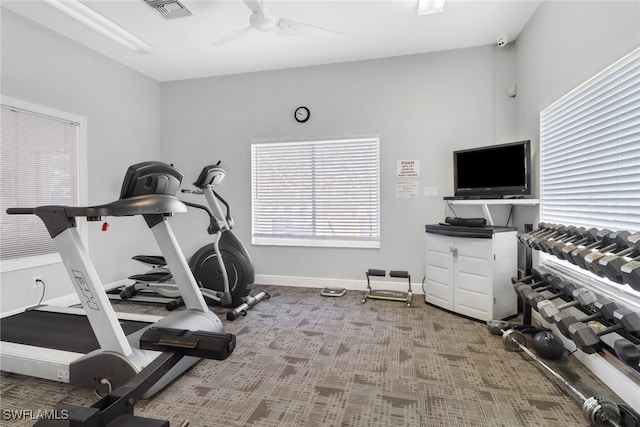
pixel 183 48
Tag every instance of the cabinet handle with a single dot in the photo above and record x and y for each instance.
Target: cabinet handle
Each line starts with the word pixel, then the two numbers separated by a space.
pixel 454 251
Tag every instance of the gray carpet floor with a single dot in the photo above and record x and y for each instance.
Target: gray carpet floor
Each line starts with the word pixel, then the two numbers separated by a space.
pixel 307 360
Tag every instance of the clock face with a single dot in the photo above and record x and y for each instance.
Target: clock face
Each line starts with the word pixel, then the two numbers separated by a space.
pixel 302 114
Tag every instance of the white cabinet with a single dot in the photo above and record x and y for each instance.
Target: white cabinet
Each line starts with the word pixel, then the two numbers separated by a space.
pixel 472 275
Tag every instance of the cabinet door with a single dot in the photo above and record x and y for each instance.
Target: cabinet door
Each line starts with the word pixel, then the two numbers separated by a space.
pixel 506 266
pixel 439 271
pixel 473 277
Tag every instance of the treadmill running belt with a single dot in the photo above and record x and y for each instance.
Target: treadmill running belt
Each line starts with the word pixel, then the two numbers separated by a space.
pixel 68 332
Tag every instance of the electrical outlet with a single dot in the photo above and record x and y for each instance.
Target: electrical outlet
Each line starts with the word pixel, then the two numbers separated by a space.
pixel 37 282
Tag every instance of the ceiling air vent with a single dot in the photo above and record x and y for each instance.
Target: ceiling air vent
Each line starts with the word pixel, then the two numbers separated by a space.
pixel 169 8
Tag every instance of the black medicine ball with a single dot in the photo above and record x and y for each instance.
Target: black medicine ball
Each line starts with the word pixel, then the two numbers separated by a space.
pixel 547 345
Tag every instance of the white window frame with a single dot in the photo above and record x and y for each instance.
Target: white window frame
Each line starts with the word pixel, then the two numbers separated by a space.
pixel 624 214
pixel 317 241
pixel 53 258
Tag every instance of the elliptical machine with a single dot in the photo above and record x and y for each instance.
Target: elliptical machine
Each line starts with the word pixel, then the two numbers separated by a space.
pixel 223 268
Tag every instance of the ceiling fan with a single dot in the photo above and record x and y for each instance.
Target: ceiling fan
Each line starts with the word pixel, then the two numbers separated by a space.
pixel 261 20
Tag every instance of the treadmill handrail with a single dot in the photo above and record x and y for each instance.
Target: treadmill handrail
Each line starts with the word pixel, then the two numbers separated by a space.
pixel 146 204
pixel 59 218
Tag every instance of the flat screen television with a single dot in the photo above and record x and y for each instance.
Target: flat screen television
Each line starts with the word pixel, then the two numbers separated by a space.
pixel 494 171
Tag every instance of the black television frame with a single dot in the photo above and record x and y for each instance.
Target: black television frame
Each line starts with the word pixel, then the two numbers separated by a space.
pixel 496 191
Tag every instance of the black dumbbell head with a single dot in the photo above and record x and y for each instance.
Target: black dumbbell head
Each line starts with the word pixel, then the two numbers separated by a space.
pixel 569 232
pixel 563 250
pixel 538 240
pixel 627 351
pixel 549 281
pixel 611 265
pixel 584 337
pixel 629 320
pixel 563 320
pixel 563 287
pixel 631 274
pixel 605 307
pixel 542 227
pixel 578 254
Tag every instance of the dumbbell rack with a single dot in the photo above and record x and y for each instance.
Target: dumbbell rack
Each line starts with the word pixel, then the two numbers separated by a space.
pixel 626 349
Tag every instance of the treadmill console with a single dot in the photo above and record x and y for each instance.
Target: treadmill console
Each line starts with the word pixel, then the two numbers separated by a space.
pixel 150 178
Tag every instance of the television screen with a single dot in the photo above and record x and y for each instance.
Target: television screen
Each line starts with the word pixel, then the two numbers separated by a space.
pixel 493 171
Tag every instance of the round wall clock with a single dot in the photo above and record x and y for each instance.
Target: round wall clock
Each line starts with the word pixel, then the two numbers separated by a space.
pixel 302 114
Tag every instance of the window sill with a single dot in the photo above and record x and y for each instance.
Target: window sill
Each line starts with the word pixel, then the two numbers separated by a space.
pixel 30 262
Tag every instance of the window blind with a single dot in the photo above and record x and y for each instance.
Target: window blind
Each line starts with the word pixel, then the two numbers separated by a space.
pixel 590 152
pixel 39 166
pixel 316 193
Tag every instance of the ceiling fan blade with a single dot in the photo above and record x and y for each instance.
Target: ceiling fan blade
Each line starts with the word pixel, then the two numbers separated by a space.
pixel 295 28
pixel 257 7
pixel 234 35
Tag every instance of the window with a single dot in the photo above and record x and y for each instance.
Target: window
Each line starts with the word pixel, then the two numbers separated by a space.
pixel 590 152
pixel 39 166
pixel 317 193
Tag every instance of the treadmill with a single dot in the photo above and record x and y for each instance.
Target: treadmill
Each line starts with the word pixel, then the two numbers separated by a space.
pixel 91 347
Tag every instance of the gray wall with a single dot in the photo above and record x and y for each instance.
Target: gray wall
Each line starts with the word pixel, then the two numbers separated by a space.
pixel 423 106
pixel 563 45
pixel 122 111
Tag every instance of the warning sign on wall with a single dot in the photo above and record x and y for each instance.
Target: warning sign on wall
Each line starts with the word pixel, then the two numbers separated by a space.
pixel 408 168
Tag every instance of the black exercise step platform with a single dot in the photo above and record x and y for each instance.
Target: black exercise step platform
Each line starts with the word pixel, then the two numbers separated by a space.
pixel 389 295
pixel 150 259
pixel 152 277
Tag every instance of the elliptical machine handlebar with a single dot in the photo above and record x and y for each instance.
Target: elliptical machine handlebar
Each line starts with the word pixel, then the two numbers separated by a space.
pixel 227 217
pixel 214 225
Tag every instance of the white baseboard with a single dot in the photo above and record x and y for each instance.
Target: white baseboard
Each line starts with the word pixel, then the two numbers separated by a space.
pixel 349 284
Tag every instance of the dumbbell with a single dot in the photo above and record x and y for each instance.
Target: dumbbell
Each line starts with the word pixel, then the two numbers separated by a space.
pixel 606 244
pixel 550 281
pixel 572 233
pixel 564 288
pixel 535 275
pixel 610 265
pixel 603 307
pixel 631 274
pixel 554 230
pixel 588 236
pixel 582 297
pixel 542 228
pixel 627 351
pixel 546 229
pixel 560 232
pixel 624 247
pixel 602 239
pixel 588 340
